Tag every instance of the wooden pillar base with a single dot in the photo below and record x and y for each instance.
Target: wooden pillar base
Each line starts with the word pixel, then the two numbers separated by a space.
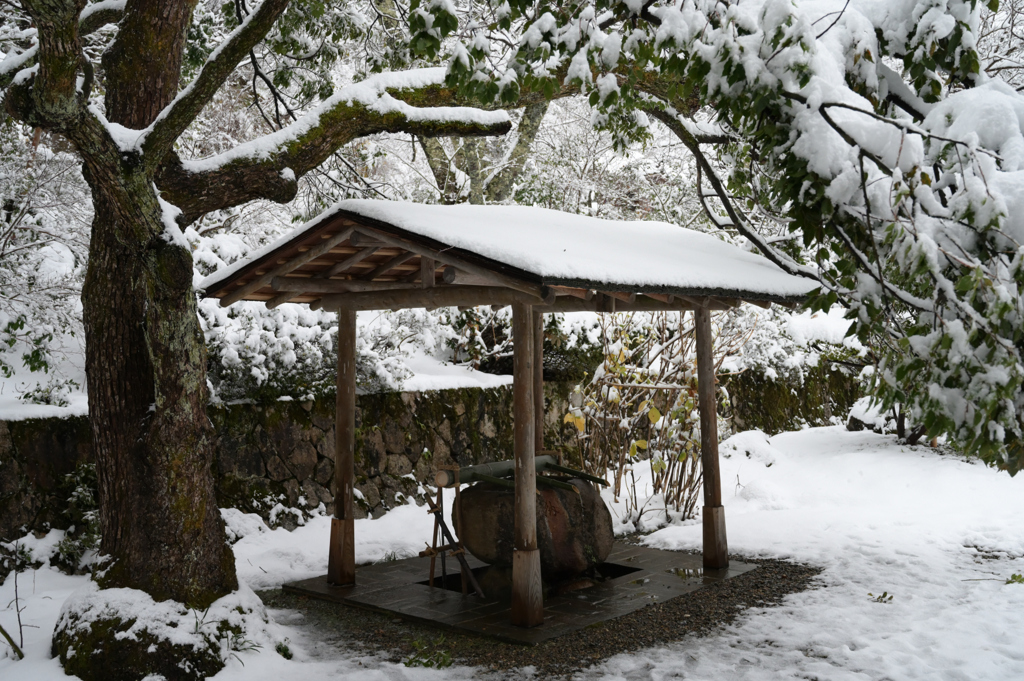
pixel 716 547
pixel 527 594
pixel 341 559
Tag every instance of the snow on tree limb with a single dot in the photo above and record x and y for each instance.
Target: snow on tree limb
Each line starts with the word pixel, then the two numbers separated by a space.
pixel 254 169
pixel 180 113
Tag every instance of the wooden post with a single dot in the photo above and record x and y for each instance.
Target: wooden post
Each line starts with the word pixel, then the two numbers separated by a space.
pixel 716 548
pixel 527 595
pixel 538 378
pixel 341 559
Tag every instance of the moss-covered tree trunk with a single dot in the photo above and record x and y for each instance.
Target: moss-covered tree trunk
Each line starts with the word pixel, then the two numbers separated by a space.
pixel 145 363
pixel 147 396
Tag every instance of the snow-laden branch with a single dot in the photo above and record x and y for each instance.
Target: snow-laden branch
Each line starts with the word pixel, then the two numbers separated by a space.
pixel 93 17
pixel 682 131
pixel 180 113
pixel 268 167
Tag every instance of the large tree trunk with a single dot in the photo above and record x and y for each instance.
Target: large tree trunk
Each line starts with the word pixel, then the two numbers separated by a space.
pixel 145 358
pixel 145 363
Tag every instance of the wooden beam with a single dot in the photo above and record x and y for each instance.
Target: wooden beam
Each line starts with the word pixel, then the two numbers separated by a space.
pixel 316 285
pixel 445 259
pixel 711 302
pixel 388 265
pixel 527 593
pixel 348 262
pixel 642 304
pixel 438 296
pixel 298 261
pixel 281 299
pixel 716 549
pixel 428 272
pixel 453 275
pixel 341 562
pixel 538 376
pixel 361 238
pixel 660 297
pixel 766 304
pixel 620 295
pixel 582 293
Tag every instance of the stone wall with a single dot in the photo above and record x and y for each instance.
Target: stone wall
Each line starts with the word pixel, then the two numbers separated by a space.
pixel 36 455
pixel 273 458
pixel 284 453
pixel 277 457
pixel 775 405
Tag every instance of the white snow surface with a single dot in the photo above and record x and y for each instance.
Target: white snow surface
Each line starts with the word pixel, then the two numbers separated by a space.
pixel 566 247
pixel 939 534
pixel 429 373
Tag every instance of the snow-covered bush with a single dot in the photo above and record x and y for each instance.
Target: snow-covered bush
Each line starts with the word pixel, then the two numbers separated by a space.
pixel 44 219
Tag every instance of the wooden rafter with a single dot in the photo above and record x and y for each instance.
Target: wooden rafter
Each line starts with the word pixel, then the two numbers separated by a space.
pixel 296 262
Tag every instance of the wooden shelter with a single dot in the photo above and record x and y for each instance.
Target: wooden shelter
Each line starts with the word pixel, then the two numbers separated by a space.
pixel 369 255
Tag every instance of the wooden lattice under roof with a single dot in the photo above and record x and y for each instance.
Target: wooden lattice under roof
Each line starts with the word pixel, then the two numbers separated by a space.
pixel 351 260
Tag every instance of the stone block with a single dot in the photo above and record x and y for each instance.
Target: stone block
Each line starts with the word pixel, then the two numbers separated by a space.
pixel 277 470
pixel 240 460
pixel 324 472
pixel 394 438
pixel 316 494
pixel 322 422
pixel 291 492
pixel 326 445
pixel 370 492
pixel 486 426
pixel 284 437
pixel 373 452
pixel 424 470
pixel 302 460
pixel 398 465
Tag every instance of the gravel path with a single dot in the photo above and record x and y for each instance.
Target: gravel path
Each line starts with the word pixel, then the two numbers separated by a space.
pixel 334 627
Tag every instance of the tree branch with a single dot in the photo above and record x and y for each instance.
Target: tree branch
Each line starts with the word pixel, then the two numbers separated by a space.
pixel 268 167
pixel 99 14
pixel 783 261
pixel 93 18
pixel 180 113
pixel 441 168
pixel 500 187
pixel 53 90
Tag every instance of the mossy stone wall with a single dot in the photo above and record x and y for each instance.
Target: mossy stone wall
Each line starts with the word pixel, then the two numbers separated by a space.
pixel 36 455
pixel 281 455
pixel 775 405
pixel 277 456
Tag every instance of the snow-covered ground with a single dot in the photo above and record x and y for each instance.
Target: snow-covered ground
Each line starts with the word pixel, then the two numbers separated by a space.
pixel 938 534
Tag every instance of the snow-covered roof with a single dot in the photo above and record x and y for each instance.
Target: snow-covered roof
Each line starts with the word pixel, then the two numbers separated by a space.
pixel 534 246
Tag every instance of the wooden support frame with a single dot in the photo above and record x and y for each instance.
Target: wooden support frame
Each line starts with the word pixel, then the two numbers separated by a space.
pixel 716 546
pixel 298 286
pixel 296 262
pixel 428 272
pixel 527 590
pixel 438 296
pixel 390 264
pixel 538 378
pixel 458 263
pixel 341 557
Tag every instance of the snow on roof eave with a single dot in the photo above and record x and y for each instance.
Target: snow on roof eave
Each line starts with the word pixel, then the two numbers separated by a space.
pixel 218 281
pixel 535 278
pixel 676 290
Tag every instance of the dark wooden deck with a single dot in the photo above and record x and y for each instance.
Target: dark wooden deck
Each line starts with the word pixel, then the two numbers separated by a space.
pixel 646 576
